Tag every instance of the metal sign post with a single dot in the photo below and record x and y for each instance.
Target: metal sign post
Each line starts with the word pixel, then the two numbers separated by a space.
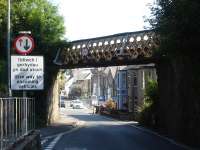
pixel 8 51
pixel 23 44
pixel 26 112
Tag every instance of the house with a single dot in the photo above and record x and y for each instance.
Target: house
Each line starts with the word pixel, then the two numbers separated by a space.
pixel 124 84
pixel 98 83
pixel 102 83
pixel 81 79
pixel 121 88
pixel 138 77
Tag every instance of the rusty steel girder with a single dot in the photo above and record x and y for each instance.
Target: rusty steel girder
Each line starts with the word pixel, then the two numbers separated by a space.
pixel 130 45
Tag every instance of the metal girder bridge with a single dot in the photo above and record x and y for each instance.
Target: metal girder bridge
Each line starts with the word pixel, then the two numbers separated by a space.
pixel 118 49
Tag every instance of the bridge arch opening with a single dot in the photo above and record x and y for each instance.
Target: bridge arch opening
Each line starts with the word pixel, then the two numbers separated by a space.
pixel 124 85
pixel 129 49
pixel 132 48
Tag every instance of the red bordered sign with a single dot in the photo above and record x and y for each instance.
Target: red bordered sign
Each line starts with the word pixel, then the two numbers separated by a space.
pixel 24 44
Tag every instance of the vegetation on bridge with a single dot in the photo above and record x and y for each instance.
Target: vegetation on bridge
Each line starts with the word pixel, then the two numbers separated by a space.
pixel 177 22
pixel 47 28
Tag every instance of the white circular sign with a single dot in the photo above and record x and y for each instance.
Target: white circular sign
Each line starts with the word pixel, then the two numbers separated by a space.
pixel 24 44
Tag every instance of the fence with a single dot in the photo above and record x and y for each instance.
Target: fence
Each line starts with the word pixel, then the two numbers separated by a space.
pixel 17 118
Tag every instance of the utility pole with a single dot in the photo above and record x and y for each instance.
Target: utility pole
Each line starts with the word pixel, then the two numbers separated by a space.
pixel 8 50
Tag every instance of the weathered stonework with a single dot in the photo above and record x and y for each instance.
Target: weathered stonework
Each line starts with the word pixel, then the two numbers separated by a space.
pixel 53 103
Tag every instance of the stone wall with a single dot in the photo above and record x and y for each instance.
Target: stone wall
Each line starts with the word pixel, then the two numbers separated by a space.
pixel 53 102
pixel 27 142
pixel 179 104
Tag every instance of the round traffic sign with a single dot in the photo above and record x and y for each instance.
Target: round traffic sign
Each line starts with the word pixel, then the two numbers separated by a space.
pixel 24 44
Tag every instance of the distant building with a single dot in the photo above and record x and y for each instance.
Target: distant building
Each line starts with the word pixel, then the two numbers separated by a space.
pixel 137 77
pixel 102 83
pixel 124 84
pixel 80 79
pixel 98 83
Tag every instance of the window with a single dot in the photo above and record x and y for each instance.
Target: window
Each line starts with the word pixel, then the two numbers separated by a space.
pixel 135 79
pixel 123 80
pixel 118 83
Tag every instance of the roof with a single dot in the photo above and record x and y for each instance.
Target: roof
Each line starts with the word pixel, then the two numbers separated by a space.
pixel 84 76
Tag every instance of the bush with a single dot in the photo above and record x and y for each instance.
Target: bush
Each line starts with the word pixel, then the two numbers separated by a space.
pixel 110 104
pixel 147 112
pixel 151 91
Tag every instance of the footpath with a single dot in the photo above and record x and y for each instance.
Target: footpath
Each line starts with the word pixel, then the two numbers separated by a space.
pixel 63 124
pixel 54 132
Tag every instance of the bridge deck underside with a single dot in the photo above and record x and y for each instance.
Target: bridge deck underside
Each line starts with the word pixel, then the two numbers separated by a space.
pixel 115 50
pixel 103 63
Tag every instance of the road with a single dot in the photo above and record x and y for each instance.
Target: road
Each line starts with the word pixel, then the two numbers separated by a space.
pixel 102 133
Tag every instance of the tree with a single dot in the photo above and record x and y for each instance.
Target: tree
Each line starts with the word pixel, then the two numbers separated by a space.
pixel 38 16
pixel 42 19
pixel 47 29
pixel 2 78
pixel 177 23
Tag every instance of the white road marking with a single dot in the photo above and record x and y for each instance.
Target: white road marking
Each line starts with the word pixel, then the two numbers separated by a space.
pixel 59 136
pixel 44 141
pixel 53 143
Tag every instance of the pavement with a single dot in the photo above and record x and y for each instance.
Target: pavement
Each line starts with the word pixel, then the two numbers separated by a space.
pixel 62 124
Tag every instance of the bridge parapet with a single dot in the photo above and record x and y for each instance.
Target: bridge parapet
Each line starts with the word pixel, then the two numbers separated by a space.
pixel 130 45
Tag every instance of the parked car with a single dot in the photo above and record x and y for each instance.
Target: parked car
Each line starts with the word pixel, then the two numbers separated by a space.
pixel 72 102
pixel 77 105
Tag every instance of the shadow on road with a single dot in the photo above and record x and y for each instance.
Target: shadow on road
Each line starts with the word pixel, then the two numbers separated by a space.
pixel 54 129
pixel 91 117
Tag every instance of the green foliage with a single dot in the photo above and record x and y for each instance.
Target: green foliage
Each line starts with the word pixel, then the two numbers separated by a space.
pixel 47 28
pixel 42 19
pixel 2 78
pixel 38 16
pixel 3 10
pixel 177 22
pixel 151 91
pixel 147 112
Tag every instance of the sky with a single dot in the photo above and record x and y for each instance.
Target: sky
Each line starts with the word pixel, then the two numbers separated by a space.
pixel 94 18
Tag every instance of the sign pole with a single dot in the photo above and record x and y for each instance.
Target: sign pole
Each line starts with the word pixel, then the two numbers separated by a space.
pixel 26 116
pixel 8 51
pixel 26 111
